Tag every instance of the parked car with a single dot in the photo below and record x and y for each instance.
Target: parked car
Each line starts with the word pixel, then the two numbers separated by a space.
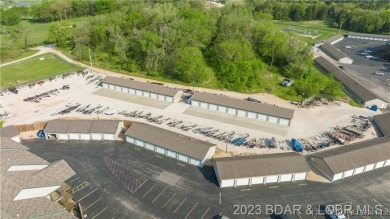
pixel 369 56
pixel 334 215
pixel 287 82
pixel 367 51
pixel 364 53
pixel 348 47
pixel 379 73
pixel 341 67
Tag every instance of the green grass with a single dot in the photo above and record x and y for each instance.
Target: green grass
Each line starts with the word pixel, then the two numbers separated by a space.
pixel 352 102
pixel 23 54
pixel 33 69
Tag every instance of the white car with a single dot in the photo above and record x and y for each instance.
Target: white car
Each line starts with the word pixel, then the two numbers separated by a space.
pixel 364 53
pixel 367 51
pixel 379 73
pixel 111 112
pixel 369 57
pixel 348 47
pixel 329 211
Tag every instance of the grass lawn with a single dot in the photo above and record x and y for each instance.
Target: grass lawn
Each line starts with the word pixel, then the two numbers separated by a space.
pixel 23 54
pixel 33 69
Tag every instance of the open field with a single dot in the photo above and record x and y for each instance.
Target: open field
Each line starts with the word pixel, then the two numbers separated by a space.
pixel 33 69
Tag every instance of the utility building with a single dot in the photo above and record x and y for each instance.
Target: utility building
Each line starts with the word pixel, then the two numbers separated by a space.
pixel 242 108
pixel 260 169
pixel 170 144
pixel 147 90
pixel 365 36
pixel 336 54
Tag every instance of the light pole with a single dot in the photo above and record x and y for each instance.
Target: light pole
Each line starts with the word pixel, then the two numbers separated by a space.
pixel 193 86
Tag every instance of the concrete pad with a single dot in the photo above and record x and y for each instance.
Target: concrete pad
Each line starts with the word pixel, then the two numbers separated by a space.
pixel 239 121
pixel 169 178
pixel 132 98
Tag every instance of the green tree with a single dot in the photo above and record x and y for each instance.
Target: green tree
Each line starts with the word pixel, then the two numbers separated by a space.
pixel 61 33
pixel 10 18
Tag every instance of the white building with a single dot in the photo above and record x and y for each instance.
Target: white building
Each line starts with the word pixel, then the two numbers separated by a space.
pixel 366 36
pixel 336 54
pixel 170 144
pixel 260 169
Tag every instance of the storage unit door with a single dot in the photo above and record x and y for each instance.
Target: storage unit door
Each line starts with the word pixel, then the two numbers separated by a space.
pixel 195 103
pixel 232 111
pixel 149 146
pixel 195 162
pixel 111 87
pixel 154 96
pixel 379 164
pixel 108 137
pixel 169 99
pixel 213 107
pixel 105 85
pixel 358 170
pixel 139 143
pixel 285 177
pixel 262 117
pixel 348 173
pixel 138 92
pixel 222 109
pixel 227 183
pixel 284 121
pixel 369 167
pixel 242 182
pixel 160 150
pixel 271 179
pixel 85 136
pixel 257 180
pixel 125 89
pixel 204 105
pixel 182 158
pixel 63 136
pixel 96 136
pixel 337 176
pixel 387 163
pixel 161 97
pixel 299 176
pixel 131 91
pixel 74 136
pixel 118 88
pixel 146 94
pixel 251 115
pixel 130 139
pixel 171 154
pixel 272 119
pixel 241 113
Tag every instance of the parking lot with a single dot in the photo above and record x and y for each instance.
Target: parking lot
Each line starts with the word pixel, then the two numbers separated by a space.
pixel 363 68
pixel 193 192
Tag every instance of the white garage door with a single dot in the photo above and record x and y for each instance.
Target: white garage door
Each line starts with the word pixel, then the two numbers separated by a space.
pixel 227 183
pixel 387 163
pixel 161 97
pixel 139 143
pixel 149 146
pixel 63 136
pixel 105 85
pixel 299 176
pixel 118 88
pixel 241 113
pixel 182 158
pixel 169 99
pixel 369 167
pixel 131 91
pixel 195 162
pixel 272 119
pixel 271 179
pixel 257 180
pixel 379 164
pixel 204 105
pixel 348 173
pixel 195 103
pixel 154 96
pixel 85 136
pixel 96 136
pixel 111 87
pixel 232 111
pixel 146 94
pixel 242 182
pixel 171 154
pixel 74 136
pixel 213 107
pixel 251 115
pixel 125 89
pixel 286 177
pixel 160 150
pixel 262 117
pixel 138 92
pixel 358 170
pixel 129 139
pixel 337 176
pixel 222 109
pixel 108 137
pixel 284 121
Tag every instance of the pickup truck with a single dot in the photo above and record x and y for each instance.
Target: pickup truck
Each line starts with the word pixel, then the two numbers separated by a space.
pixel 287 82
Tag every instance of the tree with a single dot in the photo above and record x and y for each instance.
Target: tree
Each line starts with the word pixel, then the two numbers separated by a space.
pixel 61 8
pixel 19 35
pixel 10 18
pixel 61 33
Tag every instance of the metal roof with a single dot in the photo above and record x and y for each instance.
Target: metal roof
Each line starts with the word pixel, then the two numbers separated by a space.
pixel 79 126
pixel 104 126
pixel 333 38
pixel 260 165
pixel 383 123
pixel 261 108
pixel 333 52
pixel 348 82
pixel 9 131
pixel 173 141
pixel 368 35
pixel 355 155
pixel 57 126
pixel 154 88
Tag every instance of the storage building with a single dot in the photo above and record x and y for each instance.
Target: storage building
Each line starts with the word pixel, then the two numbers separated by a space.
pixel 383 123
pixel 247 109
pixel 79 130
pixel 260 169
pixel 336 54
pixel 365 36
pixel 10 132
pixel 148 90
pixel 171 144
pixel 334 39
pixel 349 160
pixel 354 89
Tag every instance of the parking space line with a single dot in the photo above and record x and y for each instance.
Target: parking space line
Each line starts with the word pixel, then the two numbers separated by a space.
pixel 87 194
pixel 74 179
pixel 137 149
pixel 157 156
pixel 99 212
pixel 113 217
pixel 191 210
pixel 242 190
pixel 92 203
pixel 169 200
pixel 159 195
pixel 302 184
pixel 180 205
pixel 181 164
pixel 385 198
pixel 299 215
pixel 149 190
pixel 381 204
pixel 273 187
pixel 205 213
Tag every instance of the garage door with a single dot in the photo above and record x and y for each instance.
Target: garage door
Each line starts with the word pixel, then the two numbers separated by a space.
pixel 105 85
pixel 284 121
pixel 222 109
pixel 379 164
pixel 96 136
pixel 146 94
pixel 337 176
pixel 227 183
pixel 63 136
pixel 241 113
pixel 387 163
pixel 154 96
pixel 299 176
pixel 257 180
pixel 182 158
pixel 262 117
pixel 271 179
pixel 195 162
pixel 74 136
pixel 232 111
pixel 272 119
pixel 204 105
pixel 171 154
pixel 85 136
pixel 169 99
pixel 139 143
pixel 195 103
pixel 348 173
pixel 251 115
pixel 161 97
pixel 129 139
pixel 138 92
pixel 242 182
pixel 160 150
pixel 358 170
pixel 108 137
pixel 149 146
pixel 286 177
pixel 131 91
pixel 118 88
pixel 111 87
pixel 213 107
pixel 369 167
pixel 125 89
